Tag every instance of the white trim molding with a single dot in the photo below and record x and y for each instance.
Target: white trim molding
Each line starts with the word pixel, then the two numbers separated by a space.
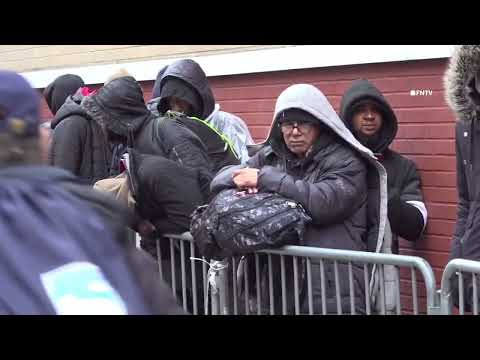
pixel 256 61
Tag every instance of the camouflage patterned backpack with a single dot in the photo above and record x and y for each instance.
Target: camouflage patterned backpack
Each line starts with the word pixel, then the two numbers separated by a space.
pixel 238 223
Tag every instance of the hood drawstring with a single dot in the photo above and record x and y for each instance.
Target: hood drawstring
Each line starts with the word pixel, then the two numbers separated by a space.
pixel 130 137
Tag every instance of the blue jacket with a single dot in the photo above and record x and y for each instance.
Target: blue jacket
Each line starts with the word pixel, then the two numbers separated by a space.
pixel 63 254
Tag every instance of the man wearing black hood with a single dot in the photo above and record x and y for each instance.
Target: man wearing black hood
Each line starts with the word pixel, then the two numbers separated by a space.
pixel 183 87
pixel 77 144
pixel 372 121
pixel 162 152
pixel 170 170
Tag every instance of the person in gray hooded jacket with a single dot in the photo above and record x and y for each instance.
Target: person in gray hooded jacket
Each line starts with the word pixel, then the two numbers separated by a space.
pixel 312 158
pixel 183 86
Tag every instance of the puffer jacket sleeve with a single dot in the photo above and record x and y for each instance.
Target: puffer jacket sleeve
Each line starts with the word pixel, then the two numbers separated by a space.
pixel 332 197
pixel 68 144
pixel 463 202
pixel 223 180
pixel 406 210
pixel 181 145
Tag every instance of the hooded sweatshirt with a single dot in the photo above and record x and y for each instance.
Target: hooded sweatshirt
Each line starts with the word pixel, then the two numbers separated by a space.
pixel 407 212
pixel 60 89
pixel 119 108
pixel 330 183
pixel 187 80
pixel 78 144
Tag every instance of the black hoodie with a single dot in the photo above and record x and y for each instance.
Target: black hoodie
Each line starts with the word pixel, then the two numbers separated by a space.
pixel 406 210
pixel 78 144
pixel 364 90
pixel 60 89
pixel 194 78
pixel 120 108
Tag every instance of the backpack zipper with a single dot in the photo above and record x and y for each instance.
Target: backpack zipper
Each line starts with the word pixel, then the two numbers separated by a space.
pixel 289 207
pixel 251 208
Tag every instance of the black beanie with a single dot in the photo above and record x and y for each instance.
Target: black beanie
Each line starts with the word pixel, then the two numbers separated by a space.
pixel 298 115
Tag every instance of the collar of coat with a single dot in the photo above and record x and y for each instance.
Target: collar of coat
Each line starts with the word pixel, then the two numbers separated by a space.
pixel 464 63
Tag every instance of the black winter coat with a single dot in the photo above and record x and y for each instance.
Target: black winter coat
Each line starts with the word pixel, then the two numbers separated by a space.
pixel 120 108
pixel 462 95
pixel 78 144
pixel 406 211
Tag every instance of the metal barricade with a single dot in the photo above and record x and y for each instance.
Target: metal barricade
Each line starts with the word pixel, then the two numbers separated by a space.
pixel 294 280
pixel 192 279
pixel 460 277
pixel 306 280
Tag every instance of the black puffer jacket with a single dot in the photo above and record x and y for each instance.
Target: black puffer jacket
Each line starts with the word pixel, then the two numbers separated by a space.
pixel 161 198
pixel 185 79
pixel 78 144
pixel 407 212
pixel 120 108
pixel 330 183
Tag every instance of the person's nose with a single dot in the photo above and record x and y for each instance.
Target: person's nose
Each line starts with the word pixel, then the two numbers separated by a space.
pixel 369 115
pixel 295 131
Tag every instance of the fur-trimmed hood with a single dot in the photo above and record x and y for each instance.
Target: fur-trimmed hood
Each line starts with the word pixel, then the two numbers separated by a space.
pixel 464 64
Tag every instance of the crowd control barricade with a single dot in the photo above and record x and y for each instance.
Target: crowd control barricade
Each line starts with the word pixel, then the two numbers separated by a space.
pixel 296 280
pixel 195 283
pixel 460 282
pixel 282 281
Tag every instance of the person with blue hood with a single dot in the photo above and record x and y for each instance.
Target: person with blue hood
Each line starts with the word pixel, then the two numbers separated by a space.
pixel 63 248
pixel 183 87
pixel 312 158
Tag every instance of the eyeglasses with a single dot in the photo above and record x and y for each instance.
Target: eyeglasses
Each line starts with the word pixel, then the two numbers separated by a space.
pixel 288 126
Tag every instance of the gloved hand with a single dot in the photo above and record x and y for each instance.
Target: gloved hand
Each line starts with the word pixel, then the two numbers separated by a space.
pixel 405 219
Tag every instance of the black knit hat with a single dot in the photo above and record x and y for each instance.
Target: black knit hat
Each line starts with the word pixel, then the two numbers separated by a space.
pixel 297 115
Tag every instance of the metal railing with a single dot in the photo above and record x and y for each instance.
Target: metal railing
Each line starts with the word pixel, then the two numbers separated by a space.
pixel 456 274
pixel 192 278
pixel 294 280
pixel 308 280
pixel 318 277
